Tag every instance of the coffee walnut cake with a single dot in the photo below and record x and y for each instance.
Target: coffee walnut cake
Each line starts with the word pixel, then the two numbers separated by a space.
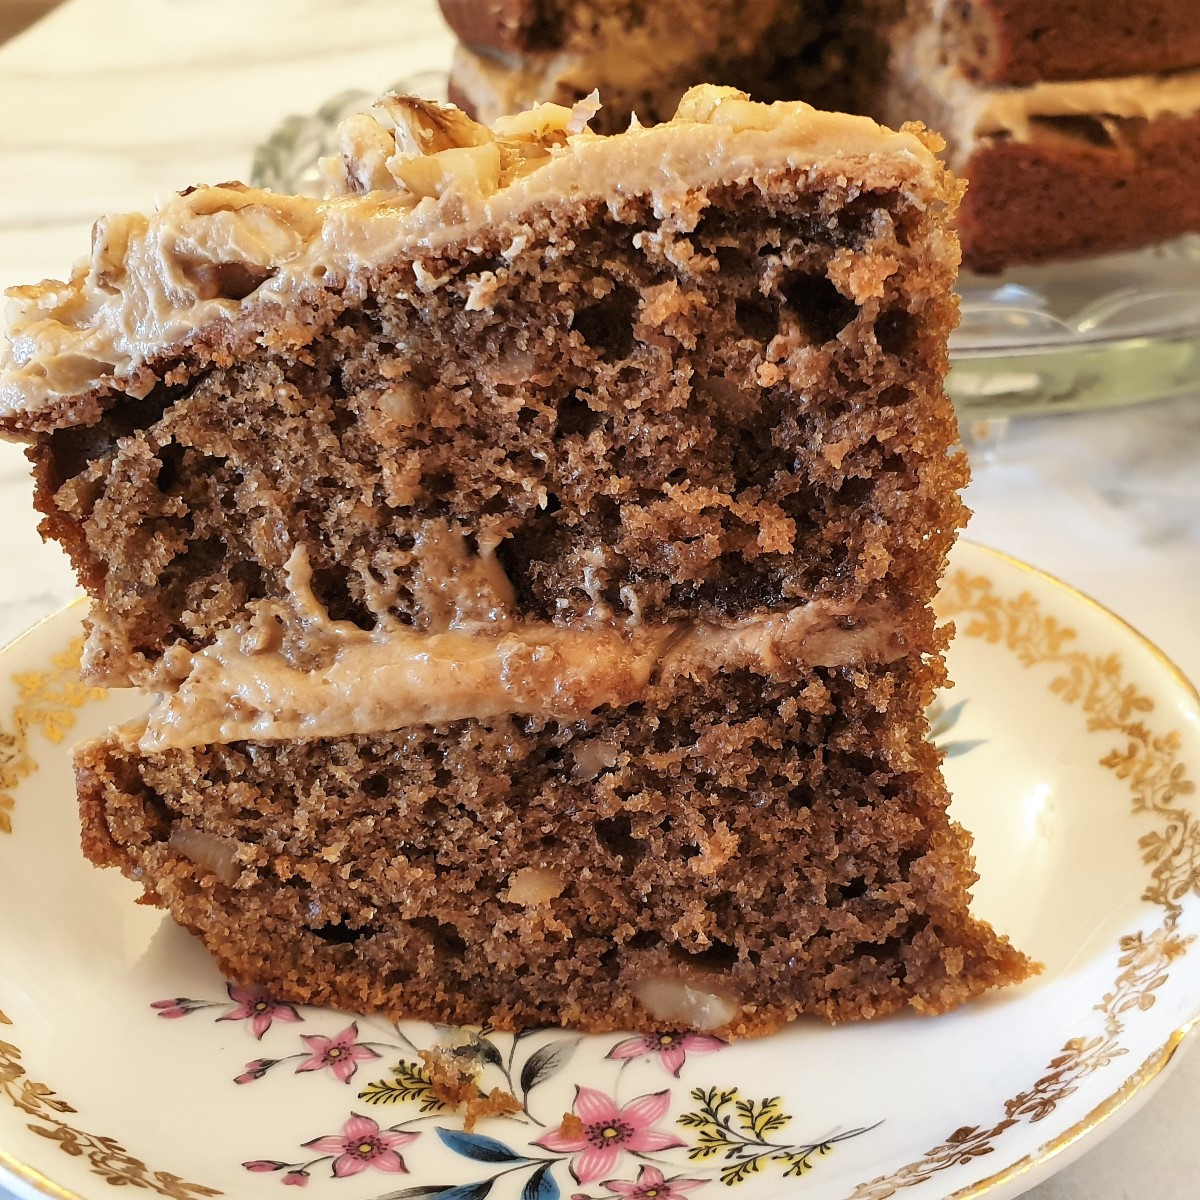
pixel 531 548
pixel 1075 122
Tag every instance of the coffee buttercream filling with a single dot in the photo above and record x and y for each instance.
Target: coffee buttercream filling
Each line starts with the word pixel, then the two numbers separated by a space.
pixel 262 683
pixel 1026 113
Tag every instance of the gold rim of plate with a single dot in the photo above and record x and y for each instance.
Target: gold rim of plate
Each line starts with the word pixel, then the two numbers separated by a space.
pixel 124 1168
pixel 1158 1062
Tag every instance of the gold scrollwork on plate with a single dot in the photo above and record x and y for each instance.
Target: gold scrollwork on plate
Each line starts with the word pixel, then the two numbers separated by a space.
pixel 48 701
pixel 1148 762
pixel 107 1157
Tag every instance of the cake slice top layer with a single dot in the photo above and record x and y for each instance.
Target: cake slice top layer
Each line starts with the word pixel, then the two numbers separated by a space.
pixel 207 276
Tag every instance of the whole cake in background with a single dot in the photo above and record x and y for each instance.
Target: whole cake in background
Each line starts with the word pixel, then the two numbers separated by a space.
pixel 531 546
pixel 1076 123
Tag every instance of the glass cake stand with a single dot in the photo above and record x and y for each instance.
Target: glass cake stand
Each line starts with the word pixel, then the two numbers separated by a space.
pixel 1108 331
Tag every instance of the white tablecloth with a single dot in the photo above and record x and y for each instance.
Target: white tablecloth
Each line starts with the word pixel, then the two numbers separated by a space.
pixel 109 104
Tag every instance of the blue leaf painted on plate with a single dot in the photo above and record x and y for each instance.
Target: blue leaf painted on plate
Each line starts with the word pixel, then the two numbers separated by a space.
pixel 466 1191
pixel 478 1147
pixel 942 720
pixel 541 1185
pixel 954 749
pixel 419 1193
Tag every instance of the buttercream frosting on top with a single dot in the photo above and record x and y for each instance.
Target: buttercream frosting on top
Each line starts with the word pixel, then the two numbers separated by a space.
pixel 410 177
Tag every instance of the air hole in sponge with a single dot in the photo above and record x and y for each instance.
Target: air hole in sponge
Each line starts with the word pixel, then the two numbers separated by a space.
pixel 73 448
pixel 161 816
pixel 574 416
pixel 375 787
pixel 823 312
pixel 342 419
pixel 888 953
pixel 757 319
pixel 205 555
pixel 879 951
pixel 894 330
pixel 438 483
pixel 434 812
pixel 801 796
pixel 170 456
pixel 732 259
pixel 1076 128
pixel 445 939
pixel 248 576
pixel 853 890
pixel 858 218
pixel 339 933
pixel 332 588
pixel 615 834
pixel 644 939
pixel 607 326
pixel 720 956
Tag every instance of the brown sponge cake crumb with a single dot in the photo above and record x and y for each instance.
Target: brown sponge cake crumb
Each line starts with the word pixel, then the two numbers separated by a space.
pixel 783 846
pixel 699 425
pixel 454 1081
pixel 1026 41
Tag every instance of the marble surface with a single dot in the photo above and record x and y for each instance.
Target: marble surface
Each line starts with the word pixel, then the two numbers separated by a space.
pixel 112 103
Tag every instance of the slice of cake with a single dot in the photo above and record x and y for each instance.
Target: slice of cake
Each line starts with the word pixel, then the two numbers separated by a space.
pixel 643 57
pixel 1076 125
pixel 1056 167
pixel 532 548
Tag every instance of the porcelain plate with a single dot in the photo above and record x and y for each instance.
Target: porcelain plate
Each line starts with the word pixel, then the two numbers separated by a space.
pixel 1072 749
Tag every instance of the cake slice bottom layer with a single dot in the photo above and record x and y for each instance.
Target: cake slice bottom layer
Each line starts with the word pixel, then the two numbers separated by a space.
pixel 754 850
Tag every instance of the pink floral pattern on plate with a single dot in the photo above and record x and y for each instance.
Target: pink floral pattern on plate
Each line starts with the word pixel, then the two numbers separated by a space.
pixel 249 1004
pixel 340 1055
pixel 361 1145
pixel 597 1133
pixel 650 1184
pixel 660 1144
pixel 672 1048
